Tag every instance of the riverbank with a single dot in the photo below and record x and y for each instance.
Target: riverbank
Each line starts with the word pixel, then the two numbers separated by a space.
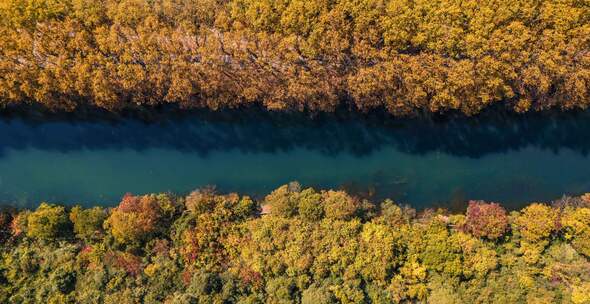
pixel 117 55
pixel 308 247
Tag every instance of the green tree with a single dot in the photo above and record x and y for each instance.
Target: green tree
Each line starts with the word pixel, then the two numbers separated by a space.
pixel 227 253
pixel 576 223
pixel 535 223
pixel 339 205
pixel 48 222
pixel 317 295
pixel 310 205
pixel 88 223
pixel 284 200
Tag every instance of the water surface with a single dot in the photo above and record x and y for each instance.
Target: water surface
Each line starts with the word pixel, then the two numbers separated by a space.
pixel 507 158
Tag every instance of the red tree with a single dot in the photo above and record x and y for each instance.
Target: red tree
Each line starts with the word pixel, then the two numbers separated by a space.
pixel 487 220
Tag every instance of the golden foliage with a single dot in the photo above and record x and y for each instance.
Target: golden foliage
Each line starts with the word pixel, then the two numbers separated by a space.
pixel 405 56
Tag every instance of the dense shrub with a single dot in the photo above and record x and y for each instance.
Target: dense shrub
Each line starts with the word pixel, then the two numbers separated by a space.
pixel 19 223
pixel 6 218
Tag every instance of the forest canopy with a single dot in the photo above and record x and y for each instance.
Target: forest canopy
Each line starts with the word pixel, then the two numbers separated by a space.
pixel 294 246
pixel 405 56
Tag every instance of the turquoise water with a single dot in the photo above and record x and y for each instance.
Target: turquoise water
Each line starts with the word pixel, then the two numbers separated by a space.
pixel 505 158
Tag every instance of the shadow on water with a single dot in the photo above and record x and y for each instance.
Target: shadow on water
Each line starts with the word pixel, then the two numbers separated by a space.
pixel 445 159
pixel 257 131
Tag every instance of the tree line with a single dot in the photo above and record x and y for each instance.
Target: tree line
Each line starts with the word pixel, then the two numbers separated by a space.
pixel 405 56
pixel 294 246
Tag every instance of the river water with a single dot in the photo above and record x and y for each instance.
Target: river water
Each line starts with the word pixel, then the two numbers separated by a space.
pixel 508 158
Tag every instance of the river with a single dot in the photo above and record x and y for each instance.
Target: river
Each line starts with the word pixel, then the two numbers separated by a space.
pixel 509 158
